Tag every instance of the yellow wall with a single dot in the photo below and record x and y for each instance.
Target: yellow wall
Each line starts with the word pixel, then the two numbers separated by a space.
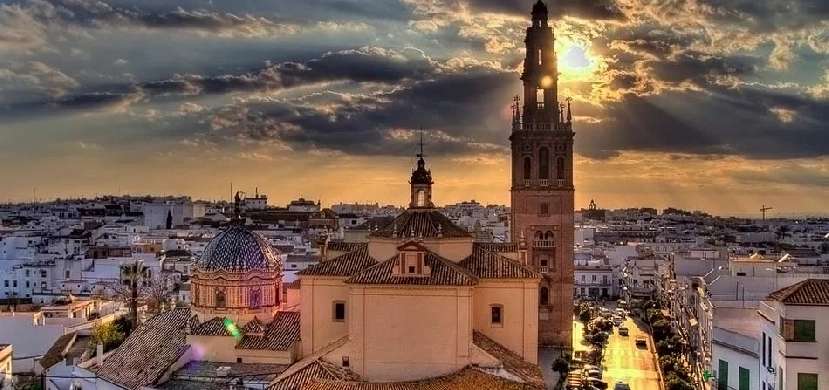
pixel 318 294
pixel 222 349
pixel 519 317
pixel 409 333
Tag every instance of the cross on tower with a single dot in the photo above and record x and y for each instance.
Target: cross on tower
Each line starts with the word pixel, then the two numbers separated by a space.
pixel 421 155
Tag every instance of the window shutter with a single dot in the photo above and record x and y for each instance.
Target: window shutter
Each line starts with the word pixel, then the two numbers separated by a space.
pixel 788 329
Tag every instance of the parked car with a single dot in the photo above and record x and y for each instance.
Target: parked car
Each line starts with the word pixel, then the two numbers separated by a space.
pixel 623 331
pixel 594 373
pixel 621 386
pixel 641 341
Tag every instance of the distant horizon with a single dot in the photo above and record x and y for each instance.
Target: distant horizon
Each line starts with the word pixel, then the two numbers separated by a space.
pixel 770 214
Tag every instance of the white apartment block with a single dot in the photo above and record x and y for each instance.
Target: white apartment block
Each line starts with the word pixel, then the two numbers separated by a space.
pixel 794 351
pixel 594 277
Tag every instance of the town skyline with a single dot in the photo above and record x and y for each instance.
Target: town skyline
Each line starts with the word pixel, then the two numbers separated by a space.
pixel 674 105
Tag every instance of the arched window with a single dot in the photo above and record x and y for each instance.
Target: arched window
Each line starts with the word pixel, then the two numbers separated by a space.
pixel 560 168
pixel 538 235
pixel 420 198
pixel 544 296
pixel 255 299
pixel 543 163
pixel 528 168
pixel 548 235
pixel 221 302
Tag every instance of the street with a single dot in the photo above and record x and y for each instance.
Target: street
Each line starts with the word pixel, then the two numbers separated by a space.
pixel 623 360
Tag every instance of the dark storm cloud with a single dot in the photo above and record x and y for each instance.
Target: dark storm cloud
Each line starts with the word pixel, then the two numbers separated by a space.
pixel 724 121
pixel 764 16
pixel 455 110
pixel 585 9
pixel 97 14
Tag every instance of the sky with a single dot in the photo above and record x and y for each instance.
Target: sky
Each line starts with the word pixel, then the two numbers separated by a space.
pixel 715 105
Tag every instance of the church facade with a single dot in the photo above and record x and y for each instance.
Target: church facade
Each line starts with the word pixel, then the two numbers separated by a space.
pixel 420 305
pixel 542 192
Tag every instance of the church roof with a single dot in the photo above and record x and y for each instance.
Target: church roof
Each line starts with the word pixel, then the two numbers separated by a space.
pixel 486 264
pixel 238 249
pixel 280 335
pixel 253 326
pixel 421 223
pixel 317 369
pixel 148 352
pixel 443 273
pixel 466 379
pixel 347 264
pixel 340 246
pixel 213 327
pixel 512 362
pixel 498 246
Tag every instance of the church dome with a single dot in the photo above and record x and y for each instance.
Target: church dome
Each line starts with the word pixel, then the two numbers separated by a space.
pixel 238 249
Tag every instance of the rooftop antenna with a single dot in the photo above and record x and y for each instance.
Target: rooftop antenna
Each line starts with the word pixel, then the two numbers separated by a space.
pixel 763 210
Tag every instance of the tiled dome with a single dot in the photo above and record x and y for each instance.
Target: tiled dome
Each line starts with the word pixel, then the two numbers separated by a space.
pixel 238 249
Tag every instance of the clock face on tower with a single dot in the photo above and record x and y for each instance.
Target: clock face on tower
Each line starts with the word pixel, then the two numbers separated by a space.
pixel 528 147
pixel 561 147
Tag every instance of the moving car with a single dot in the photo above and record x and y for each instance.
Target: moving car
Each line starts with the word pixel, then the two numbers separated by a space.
pixel 623 331
pixel 641 341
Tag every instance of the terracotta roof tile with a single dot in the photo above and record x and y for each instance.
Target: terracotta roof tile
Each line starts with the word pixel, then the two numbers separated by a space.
pixel 148 351
pixel 212 327
pixel 443 273
pixel 280 335
pixel 465 379
pixel 347 264
pixel 345 246
pixel 55 354
pixel 512 362
pixel 254 326
pixel 810 292
pixel 490 265
pixel 498 246
pixel 421 223
pixel 318 369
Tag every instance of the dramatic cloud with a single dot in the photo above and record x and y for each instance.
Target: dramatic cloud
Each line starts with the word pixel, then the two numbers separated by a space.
pixel 702 93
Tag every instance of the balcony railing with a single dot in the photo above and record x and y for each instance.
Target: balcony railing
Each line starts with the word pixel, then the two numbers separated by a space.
pixel 560 182
pixel 526 183
pixel 543 243
pixel 544 269
pixel 544 182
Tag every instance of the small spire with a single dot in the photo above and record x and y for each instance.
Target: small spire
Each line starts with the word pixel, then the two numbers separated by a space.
pixel 421 155
pixel 440 231
pixel 561 112
pixel 394 230
pixel 412 233
pixel 569 113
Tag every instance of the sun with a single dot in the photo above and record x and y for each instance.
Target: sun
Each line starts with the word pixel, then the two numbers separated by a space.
pixel 576 62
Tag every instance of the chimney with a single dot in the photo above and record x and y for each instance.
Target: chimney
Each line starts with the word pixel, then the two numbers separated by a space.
pixel 99 355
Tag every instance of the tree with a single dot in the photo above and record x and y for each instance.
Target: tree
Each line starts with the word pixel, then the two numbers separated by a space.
pixel 561 366
pixel 123 325
pixel 169 219
pixel 106 334
pixel 158 291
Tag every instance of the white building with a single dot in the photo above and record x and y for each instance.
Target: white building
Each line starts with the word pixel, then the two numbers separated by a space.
pixel 795 347
pixel 735 336
pixel 182 211
pixel 594 277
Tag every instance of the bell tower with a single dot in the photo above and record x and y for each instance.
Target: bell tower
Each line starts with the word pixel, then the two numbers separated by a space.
pixel 421 183
pixel 542 193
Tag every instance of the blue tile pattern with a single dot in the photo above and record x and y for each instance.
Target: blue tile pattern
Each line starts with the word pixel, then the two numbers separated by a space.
pixel 238 249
